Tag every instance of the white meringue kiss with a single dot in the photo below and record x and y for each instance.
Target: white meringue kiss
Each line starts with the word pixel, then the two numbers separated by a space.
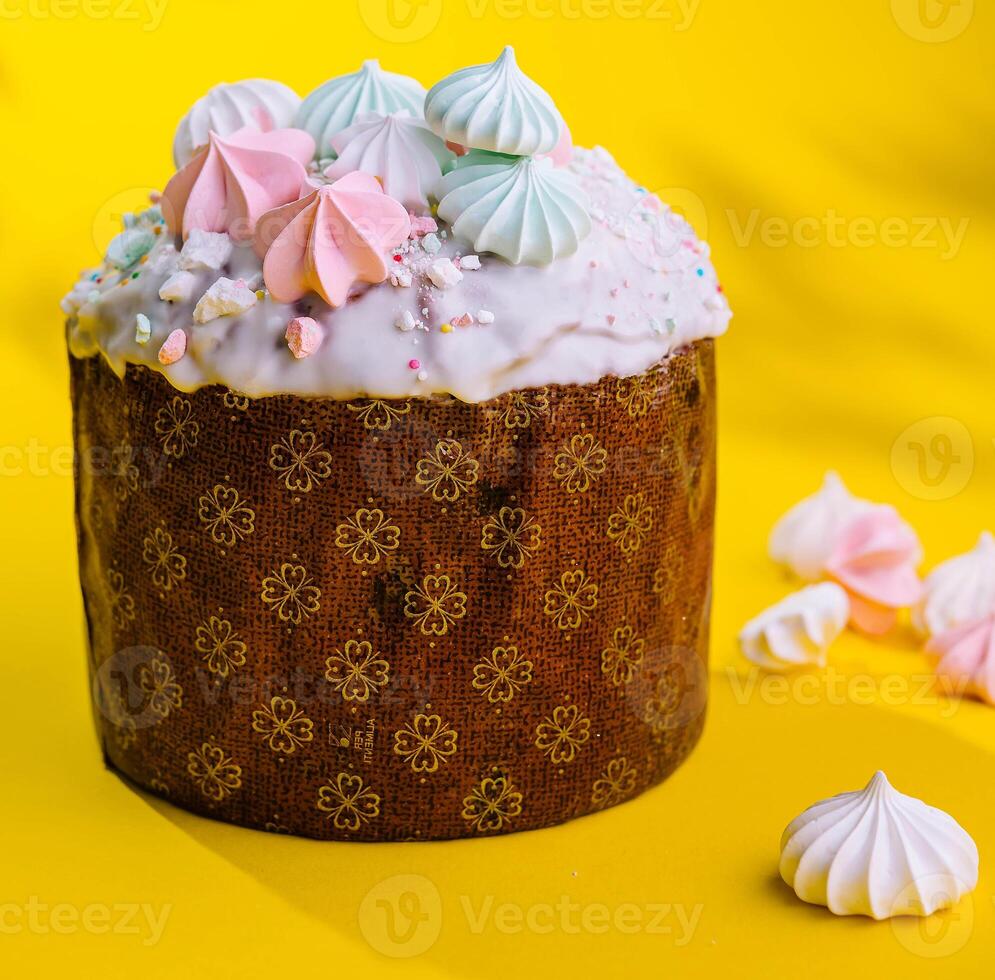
pixel 798 630
pixel 804 538
pixel 959 590
pixel 879 853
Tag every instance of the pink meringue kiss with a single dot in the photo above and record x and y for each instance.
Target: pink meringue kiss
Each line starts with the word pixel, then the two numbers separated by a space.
pixel 231 182
pixel 967 657
pixel 875 560
pixel 334 237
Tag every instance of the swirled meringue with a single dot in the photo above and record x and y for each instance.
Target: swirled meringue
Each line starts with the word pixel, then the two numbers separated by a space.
pixel 879 853
pixel 798 630
pixel 959 590
pixel 228 185
pixel 338 103
pixel 966 655
pixel 805 536
pixel 331 239
pixel 521 209
pixel 255 103
pixel 494 107
pixel 402 151
pixel 875 559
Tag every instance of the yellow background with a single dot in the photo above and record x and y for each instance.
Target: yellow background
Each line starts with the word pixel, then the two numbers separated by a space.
pixel 843 338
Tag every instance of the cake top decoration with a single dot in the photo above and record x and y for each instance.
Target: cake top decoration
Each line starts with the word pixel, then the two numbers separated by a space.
pixel 338 103
pixel 229 184
pixel 494 107
pixel 520 208
pixel 256 103
pixel 402 151
pixel 326 242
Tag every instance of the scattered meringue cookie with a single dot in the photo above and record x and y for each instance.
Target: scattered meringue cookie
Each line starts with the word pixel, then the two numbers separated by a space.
pixel 178 288
pixel 521 209
pixel 334 237
pixel 875 560
pixel 128 246
pixel 304 336
pixel 205 250
pixel 444 273
pixel 258 103
pixel 338 103
pixel 805 536
pixel 173 347
pixel 959 590
pixel 798 630
pixel 966 655
pixel 226 297
pixel 402 151
pixel 143 329
pixel 494 107
pixel 228 185
pixel 879 853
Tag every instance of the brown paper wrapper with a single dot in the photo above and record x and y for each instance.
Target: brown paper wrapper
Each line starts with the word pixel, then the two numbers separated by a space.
pixel 394 620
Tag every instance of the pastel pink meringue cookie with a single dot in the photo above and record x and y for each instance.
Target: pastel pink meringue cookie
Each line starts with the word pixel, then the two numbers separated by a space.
pixel 304 336
pixel 233 181
pixel 967 656
pixel 875 560
pixel 334 237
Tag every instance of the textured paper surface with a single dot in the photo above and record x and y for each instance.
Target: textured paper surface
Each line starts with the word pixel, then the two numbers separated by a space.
pixel 397 620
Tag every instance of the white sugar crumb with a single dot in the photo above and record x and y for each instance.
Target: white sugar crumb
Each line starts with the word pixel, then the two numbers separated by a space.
pixel 225 298
pixel 143 329
pixel 471 262
pixel 402 278
pixel 406 321
pixel 431 243
pixel 444 274
pixel 423 375
pixel 178 288
pixel 205 250
pixel 485 316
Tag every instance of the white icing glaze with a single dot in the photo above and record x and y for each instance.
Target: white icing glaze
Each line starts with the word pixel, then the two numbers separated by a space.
pixel 958 590
pixel 878 852
pixel 798 630
pixel 621 303
pixel 258 103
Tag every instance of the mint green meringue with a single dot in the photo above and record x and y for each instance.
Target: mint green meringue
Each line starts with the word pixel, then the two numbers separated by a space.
pixel 494 107
pixel 522 209
pixel 337 104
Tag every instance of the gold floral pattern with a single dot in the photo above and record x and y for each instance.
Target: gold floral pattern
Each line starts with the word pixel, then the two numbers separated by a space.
pixel 235 401
pixel 447 471
pixel 290 593
pixel 300 461
pixel 491 804
pixel 636 394
pixel 523 407
pixel 622 656
pixel 615 784
pixel 166 565
pixel 435 605
pixel 511 537
pixel 220 646
pixel 425 742
pixel 561 735
pixel 226 515
pixel 213 771
pixel 667 577
pixel 571 600
pixel 357 671
pixel 119 599
pixel 176 427
pixel 283 726
pixel 349 802
pixel 124 471
pixel 367 536
pixel 157 681
pixel 660 708
pixel 379 415
pixel 501 674
pixel 630 523
pixel 579 463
